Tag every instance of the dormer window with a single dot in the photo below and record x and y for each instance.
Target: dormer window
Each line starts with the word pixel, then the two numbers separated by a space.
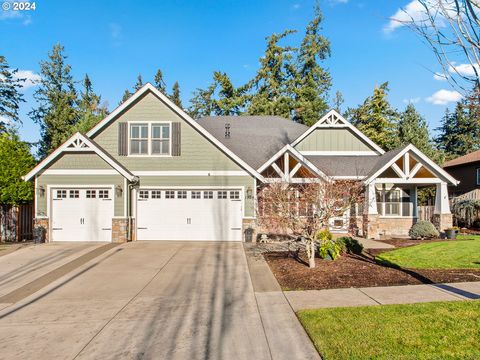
pixel 150 139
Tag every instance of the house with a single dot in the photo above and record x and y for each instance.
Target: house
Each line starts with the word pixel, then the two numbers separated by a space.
pixel 150 172
pixel 467 169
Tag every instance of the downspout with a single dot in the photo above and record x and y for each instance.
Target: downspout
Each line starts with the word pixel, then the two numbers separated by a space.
pixel 130 186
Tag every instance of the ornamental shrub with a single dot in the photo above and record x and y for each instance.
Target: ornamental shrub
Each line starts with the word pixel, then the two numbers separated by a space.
pixel 423 230
pixel 350 245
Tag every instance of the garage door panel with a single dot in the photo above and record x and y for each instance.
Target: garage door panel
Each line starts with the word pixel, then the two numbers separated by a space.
pixel 81 214
pixel 189 215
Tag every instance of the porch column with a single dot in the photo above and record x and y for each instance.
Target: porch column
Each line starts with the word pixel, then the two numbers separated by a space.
pixel 370 213
pixel 415 202
pixel 442 217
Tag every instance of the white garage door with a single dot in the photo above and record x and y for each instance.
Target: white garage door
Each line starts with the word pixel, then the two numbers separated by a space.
pixel 189 214
pixel 83 214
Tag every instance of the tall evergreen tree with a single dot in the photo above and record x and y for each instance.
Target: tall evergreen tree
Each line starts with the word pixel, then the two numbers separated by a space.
pixel 312 80
pixel 126 95
pixel 203 102
pixel 159 82
pixel 139 83
pixel 10 96
pixel 56 96
pixel 175 97
pixel 271 93
pixel 412 129
pixel 376 118
pixel 337 102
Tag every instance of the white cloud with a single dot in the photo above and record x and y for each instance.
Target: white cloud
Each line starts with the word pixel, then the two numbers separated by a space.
pixel 439 77
pixel 464 69
pixel 31 79
pixel 5 120
pixel 443 97
pixel 414 11
pixel 411 100
pixel 10 14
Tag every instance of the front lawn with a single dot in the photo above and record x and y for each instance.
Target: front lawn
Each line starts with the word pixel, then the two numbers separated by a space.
pixel 442 330
pixel 463 253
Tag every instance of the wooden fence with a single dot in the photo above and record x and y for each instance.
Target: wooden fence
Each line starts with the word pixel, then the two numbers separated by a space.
pixel 16 222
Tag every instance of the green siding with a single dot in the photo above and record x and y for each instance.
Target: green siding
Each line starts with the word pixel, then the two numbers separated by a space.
pixel 44 180
pixel 80 161
pixel 197 153
pixel 241 181
pixel 332 140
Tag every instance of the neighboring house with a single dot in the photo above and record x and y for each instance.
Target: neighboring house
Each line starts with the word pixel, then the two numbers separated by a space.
pixel 150 172
pixel 466 169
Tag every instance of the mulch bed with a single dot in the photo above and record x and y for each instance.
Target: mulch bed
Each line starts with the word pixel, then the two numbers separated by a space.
pixel 355 271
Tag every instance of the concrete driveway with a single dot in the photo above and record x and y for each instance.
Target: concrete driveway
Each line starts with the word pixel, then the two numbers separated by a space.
pixel 144 300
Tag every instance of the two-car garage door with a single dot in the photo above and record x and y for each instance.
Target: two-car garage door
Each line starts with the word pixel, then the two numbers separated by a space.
pixel 189 214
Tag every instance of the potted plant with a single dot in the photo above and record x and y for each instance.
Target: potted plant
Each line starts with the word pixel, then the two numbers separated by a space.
pixel 451 233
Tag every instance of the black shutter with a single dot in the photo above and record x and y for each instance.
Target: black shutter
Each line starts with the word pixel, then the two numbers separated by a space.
pixel 176 139
pixel 122 139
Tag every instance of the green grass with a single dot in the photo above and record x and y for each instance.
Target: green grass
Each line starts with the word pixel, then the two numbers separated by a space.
pixel 463 253
pixel 442 330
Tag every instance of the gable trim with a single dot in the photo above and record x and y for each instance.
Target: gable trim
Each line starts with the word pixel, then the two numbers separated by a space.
pixel 421 157
pixel 80 143
pixel 298 155
pixel 341 122
pixel 179 112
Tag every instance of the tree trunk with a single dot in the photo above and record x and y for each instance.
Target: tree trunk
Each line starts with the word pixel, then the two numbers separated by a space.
pixel 311 257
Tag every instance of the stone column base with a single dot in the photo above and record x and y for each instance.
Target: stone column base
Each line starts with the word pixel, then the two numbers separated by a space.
pixel 371 226
pixel 442 221
pixel 45 223
pixel 119 230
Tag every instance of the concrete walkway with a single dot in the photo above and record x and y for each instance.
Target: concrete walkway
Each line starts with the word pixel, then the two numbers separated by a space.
pixel 373 244
pixel 408 294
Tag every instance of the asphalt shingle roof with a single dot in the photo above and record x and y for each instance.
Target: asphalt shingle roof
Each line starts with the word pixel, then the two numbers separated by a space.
pixel 465 159
pixel 254 139
pixel 344 165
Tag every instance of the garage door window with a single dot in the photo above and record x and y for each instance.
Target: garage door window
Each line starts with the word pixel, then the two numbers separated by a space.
pixel 156 194
pixel 74 194
pixel 103 194
pixel 143 194
pixel 169 194
pixel 208 194
pixel 235 195
pixel 61 194
pixel 181 194
pixel 222 195
pixel 91 194
pixel 196 194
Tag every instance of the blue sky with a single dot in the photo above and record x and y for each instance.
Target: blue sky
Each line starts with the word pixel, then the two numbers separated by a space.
pixel 113 41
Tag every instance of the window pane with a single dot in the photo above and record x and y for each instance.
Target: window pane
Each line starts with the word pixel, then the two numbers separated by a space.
pixel 156 147
pixel 135 147
pixel 143 146
pixel 166 132
pixel 144 132
pixel 135 132
pixel 156 131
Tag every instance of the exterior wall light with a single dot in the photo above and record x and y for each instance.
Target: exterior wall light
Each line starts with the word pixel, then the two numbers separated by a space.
pixel 249 193
pixel 41 191
pixel 118 191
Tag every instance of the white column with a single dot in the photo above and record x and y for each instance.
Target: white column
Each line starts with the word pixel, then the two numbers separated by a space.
pixel 442 205
pixel 414 197
pixel 370 200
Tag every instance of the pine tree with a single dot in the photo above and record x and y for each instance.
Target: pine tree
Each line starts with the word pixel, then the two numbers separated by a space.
pixel 203 102
pixel 10 96
pixel 271 88
pixel 337 102
pixel 412 129
pixel 159 82
pixel 376 118
pixel 175 97
pixel 56 96
pixel 139 83
pixel 312 81
pixel 126 95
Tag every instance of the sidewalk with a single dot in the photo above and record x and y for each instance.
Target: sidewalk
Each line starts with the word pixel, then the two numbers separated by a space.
pixel 407 294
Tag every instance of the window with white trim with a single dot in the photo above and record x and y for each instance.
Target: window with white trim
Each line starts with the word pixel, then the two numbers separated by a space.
pixel 169 194
pixel 91 194
pixel 196 194
pixel 139 139
pixel 74 194
pixel 393 202
pixel 156 194
pixel 160 139
pixel 150 139
pixel 103 194
pixel 234 195
pixel 181 194
pixel 61 194
pixel 208 194
pixel 143 194
pixel 221 195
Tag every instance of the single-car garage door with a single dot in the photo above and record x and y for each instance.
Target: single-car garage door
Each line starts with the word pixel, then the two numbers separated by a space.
pixel 82 214
pixel 189 214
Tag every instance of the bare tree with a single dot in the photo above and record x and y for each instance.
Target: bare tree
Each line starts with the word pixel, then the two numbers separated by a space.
pixel 452 30
pixel 301 210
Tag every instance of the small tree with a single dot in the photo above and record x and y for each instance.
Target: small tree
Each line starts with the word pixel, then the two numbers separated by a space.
pixel 301 210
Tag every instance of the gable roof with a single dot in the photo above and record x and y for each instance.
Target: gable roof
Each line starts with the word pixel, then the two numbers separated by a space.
pixel 333 119
pixel 149 87
pixel 255 139
pixel 389 158
pixel 80 143
pixel 465 159
pixel 344 166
